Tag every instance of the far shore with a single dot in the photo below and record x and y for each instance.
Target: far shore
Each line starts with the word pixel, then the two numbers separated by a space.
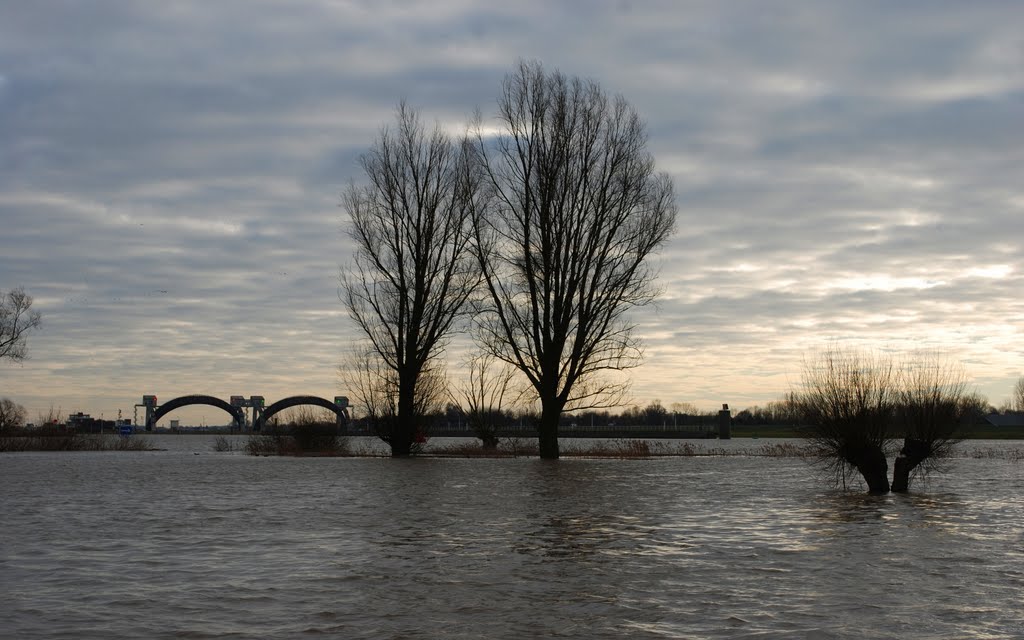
pixel 737 431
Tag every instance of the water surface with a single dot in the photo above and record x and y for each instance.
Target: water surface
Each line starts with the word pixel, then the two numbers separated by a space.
pixel 189 543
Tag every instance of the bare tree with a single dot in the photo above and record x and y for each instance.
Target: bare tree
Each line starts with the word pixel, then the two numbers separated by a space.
pixel 1018 395
pixel 856 406
pixel 935 409
pixel 685 408
pixel 575 209
pixel 846 402
pixel 17 320
pixel 12 415
pixel 374 387
pixel 52 417
pixel 413 270
pixel 484 397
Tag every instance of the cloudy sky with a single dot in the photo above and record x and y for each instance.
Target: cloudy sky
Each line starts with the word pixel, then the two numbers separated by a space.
pixel 846 172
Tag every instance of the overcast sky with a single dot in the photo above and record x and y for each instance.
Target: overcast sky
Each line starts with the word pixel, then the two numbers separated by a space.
pixel 846 172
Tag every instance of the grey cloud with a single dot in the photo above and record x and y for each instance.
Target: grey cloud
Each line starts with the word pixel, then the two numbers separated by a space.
pixel 200 149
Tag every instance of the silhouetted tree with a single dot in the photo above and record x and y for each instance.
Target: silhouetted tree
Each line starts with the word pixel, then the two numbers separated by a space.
pixel 373 386
pixel 846 402
pixel 575 210
pixel 313 430
pixel 17 320
pixel 631 416
pixel 934 411
pixel 485 395
pixel 685 408
pixel 594 418
pixel 654 414
pixel 12 415
pixel 780 412
pixel 413 269
pixel 856 406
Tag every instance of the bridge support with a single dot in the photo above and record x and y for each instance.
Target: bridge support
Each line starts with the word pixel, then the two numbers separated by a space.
pixel 341 402
pixel 150 403
pixel 256 402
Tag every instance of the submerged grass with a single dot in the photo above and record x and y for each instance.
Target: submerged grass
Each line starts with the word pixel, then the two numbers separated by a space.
pixel 32 440
pixel 286 445
pixel 616 448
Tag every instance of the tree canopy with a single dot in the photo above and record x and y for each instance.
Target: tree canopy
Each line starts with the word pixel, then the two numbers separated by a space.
pixel 575 210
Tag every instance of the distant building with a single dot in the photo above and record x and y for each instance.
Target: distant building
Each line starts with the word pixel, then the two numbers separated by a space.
pixel 78 419
pixel 84 423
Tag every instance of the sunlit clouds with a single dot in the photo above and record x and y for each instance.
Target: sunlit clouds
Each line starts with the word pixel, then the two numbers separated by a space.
pixel 170 179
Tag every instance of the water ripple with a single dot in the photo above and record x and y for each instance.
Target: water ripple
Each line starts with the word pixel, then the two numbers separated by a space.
pixel 174 545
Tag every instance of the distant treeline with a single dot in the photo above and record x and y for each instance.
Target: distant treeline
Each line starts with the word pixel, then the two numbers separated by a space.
pixel 773 414
pixel 652 415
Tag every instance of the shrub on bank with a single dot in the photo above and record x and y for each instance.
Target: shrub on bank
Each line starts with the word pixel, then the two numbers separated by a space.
pixel 300 439
pixel 616 448
pixel 223 445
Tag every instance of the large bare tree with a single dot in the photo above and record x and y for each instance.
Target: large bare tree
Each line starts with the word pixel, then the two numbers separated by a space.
pixel 575 209
pixel 413 270
pixel 17 320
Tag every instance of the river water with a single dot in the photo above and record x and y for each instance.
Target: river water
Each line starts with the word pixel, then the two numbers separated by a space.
pixel 191 543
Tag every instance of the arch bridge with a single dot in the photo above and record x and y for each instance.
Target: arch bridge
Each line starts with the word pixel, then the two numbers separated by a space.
pixel 237 406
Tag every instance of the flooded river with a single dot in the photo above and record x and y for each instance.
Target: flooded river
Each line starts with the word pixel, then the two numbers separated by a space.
pixel 190 543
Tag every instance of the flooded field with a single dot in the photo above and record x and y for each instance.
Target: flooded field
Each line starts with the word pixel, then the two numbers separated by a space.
pixel 191 543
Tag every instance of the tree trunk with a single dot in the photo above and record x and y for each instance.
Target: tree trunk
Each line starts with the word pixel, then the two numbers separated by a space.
pixel 875 470
pixel 914 452
pixel 403 432
pixel 547 432
pixel 401 447
pixel 485 431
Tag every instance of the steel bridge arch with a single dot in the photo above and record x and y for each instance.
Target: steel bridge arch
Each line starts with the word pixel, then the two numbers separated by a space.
pixel 294 401
pixel 237 413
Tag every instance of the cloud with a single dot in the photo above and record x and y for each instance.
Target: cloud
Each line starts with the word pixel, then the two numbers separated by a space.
pixel 170 179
